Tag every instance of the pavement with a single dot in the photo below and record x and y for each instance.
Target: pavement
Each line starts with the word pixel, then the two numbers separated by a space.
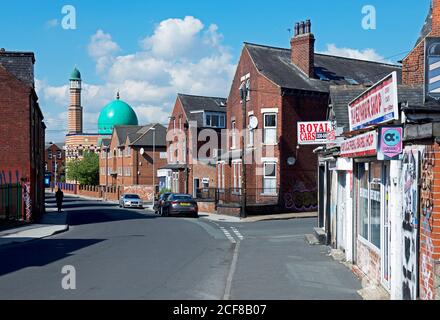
pixel 133 254
pixel 51 224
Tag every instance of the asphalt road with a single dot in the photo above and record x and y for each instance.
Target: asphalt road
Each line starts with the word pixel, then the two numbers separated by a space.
pixel 133 254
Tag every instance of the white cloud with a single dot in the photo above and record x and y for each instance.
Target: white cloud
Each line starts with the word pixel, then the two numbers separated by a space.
pixel 173 37
pixel 180 56
pixel 366 54
pixel 102 48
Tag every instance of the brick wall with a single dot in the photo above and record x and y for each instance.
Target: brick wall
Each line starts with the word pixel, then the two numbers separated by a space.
pixel 413 72
pixel 367 264
pixel 429 220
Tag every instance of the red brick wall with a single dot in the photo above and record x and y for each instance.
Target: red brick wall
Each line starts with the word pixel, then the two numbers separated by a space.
pixel 50 162
pixel 413 72
pixel 15 144
pixel 367 263
pixel 429 221
pixel 303 53
pixel 298 183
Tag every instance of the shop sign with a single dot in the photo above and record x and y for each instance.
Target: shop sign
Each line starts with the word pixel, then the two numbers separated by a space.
pixel 315 132
pixel 363 145
pixel 390 143
pixel 379 104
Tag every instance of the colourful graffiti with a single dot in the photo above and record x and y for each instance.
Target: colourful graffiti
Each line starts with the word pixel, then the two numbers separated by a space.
pixel 27 200
pixel 410 173
pixel 299 198
pixel 427 222
pixel 427 205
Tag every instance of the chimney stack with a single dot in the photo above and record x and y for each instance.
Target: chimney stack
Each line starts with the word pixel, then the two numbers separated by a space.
pixel 303 47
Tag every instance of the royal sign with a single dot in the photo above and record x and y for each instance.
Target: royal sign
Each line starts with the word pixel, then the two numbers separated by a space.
pixel 379 104
pixel 315 132
pixel 363 145
pixel 390 143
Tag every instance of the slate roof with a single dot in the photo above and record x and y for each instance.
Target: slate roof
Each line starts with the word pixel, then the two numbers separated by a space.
pixel 192 103
pixel 141 136
pixel 341 96
pixel 427 27
pixel 106 142
pixel 147 138
pixel 275 64
pixel 20 65
pixel 123 131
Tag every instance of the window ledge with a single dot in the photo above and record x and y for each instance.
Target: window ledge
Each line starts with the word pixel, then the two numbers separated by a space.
pixel 368 244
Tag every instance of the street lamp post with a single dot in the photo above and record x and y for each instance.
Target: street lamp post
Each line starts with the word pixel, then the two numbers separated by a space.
pixel 154 152
pixel 244 90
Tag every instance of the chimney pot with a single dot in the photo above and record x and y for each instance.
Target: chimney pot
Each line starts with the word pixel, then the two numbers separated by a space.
pixel 296 29
pixel 308 26
pixel 302 28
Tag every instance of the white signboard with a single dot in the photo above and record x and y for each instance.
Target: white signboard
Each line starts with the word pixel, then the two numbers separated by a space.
pixel 363 145
pixel 315 132
pixel 379 104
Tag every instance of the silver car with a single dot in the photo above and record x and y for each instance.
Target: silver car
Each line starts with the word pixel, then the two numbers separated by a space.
pixel 130 201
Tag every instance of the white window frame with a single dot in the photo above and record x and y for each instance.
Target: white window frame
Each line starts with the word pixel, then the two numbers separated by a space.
pixel 275 178
pixel 265 127
pixel 234 134
pixel 237 176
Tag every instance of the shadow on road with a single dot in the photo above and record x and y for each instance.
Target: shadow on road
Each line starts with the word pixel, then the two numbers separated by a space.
pixel 101 215
pixel 40 253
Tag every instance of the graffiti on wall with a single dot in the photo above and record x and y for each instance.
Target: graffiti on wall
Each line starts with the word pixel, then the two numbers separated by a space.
pixel 27 200
pixel 410 174
pixel 427 221
pixel 299 198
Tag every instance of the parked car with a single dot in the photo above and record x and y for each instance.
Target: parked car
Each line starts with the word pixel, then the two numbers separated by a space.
pixel 180 204
pixel 158 204
pixel 130 201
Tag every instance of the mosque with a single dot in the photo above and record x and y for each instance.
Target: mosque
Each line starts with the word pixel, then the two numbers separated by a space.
pixel 113 114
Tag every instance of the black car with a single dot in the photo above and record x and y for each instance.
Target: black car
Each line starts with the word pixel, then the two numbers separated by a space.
pixel 180 204
pixel 158 204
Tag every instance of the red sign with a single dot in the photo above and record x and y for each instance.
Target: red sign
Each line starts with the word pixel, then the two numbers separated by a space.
pixel 379 104
pixel 360 146
pixel 315 132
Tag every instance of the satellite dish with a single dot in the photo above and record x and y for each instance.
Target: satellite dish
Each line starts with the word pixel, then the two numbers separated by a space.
pixel 291 161
pixel 142 151
pixel 253 122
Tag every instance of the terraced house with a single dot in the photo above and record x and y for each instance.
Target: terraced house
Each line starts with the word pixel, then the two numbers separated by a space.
pixel 272 90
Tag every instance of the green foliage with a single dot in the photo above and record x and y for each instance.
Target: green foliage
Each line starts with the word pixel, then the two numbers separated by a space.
pixel 84 171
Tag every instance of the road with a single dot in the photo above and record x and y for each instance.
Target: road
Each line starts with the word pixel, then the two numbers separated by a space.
pixel 133 254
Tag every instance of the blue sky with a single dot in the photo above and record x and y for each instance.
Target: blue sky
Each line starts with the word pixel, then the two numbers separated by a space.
pixel 132 34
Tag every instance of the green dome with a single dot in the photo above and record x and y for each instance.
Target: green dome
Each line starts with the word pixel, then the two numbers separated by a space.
pixel 76 75
pixel 116 113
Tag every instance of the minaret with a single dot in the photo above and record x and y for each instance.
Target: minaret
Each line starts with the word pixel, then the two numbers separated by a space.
pixel 75 113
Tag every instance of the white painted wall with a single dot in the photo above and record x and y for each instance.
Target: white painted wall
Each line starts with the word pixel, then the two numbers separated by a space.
pixel 396 250
pixel 349 219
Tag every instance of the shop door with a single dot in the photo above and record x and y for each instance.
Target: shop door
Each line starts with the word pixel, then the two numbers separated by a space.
pixel 386 234
pixel 341 211
pixel 196 187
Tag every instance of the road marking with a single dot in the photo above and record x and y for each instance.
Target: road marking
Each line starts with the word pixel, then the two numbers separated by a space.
pixel 237 233
pixel 228 235
pixel 228 288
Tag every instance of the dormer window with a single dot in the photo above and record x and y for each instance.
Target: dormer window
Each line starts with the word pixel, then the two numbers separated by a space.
pixel 215 120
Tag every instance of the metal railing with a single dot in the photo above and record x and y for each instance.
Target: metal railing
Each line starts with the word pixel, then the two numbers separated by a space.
pixel 254 196
pixel 11 202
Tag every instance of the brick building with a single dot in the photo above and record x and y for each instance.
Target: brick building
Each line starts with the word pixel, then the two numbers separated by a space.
pixel 194 121
pixel 55 158
pixel 383 212
pixel 127 158
pixel 283 86
pixel 22 133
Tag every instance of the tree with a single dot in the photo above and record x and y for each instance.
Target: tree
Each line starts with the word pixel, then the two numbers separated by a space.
pixel 84 171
